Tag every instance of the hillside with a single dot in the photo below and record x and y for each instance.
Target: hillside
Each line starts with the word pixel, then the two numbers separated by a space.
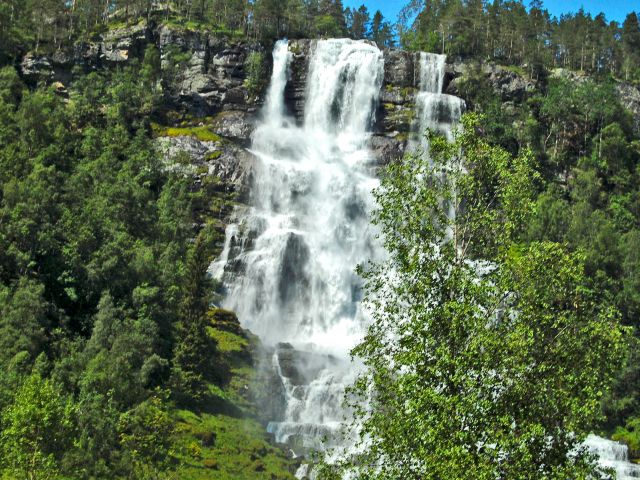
pixel 130 177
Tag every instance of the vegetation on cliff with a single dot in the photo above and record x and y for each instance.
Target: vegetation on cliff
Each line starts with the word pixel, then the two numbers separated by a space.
pixel 586 146
pixel 112 364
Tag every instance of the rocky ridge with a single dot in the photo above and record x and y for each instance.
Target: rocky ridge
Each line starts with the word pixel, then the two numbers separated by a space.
pixel 204 83
pixel 204 75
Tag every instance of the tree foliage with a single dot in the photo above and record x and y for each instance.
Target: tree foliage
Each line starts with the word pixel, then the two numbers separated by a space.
pixel 516 33
pixel 99 279
pixel 486 358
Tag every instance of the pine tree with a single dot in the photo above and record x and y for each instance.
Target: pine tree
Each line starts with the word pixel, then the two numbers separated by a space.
pixel 631 44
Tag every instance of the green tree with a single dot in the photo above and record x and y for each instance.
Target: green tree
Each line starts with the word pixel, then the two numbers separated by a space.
pixel 194 348
pixel 381 32
pixel 256 73
pixel 485 358
pixel 631 44
pixel 23 323
pixel 37 429
pixel 145 432
pixel 358 22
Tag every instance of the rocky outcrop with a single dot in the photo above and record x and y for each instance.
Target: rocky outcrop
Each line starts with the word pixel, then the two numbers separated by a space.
pixel 36 68
pixel 508 83
pixel 223 160
pixel 203 74
pixel 121 44
pixel 212 79
pixel 629 96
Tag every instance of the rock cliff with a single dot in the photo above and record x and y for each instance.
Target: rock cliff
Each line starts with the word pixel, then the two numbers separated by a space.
pixel 204 77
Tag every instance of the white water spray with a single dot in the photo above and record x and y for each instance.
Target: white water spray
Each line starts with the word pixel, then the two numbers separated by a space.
pixel 436 111
pixel 290 267
pixel 613 455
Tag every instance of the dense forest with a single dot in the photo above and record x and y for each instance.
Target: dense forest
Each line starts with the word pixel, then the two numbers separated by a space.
pixel 517 34
pixel 509 32
pixel 106 325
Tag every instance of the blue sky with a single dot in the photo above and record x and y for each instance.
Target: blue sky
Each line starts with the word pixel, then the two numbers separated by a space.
pixel 614 9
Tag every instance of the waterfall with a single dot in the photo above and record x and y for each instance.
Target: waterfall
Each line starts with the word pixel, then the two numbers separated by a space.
pixel 432 68
pixel 288 264
pixel 435 110
pixel 613 455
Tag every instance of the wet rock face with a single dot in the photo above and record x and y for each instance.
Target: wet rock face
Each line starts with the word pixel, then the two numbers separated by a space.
pixel 297 86
pixel 399 69
pixel 299 366
pixel 388 148
pixel 397 109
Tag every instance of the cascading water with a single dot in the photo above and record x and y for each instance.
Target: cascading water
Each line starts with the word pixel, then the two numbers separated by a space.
pixel 436 111
pixel 613 455
pixel 289 262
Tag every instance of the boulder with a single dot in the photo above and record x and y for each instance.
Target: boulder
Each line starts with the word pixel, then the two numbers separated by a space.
pixel 36 68
pixel 399 68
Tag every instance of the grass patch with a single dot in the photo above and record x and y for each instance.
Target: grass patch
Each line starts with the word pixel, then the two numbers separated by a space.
pixel 219 447
pixel 124 23
pixel 228 342
pixel 516 69
pixel 202 133
pixel 222 440
pixel 214 155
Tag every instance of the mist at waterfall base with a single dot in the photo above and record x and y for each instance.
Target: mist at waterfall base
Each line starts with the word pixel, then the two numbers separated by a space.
pixel 289 261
